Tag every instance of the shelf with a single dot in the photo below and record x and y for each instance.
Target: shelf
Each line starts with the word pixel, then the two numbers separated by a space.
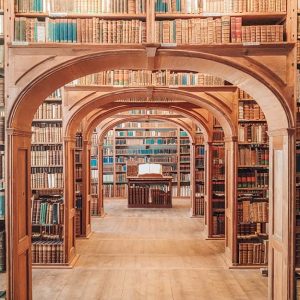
pixel 47 143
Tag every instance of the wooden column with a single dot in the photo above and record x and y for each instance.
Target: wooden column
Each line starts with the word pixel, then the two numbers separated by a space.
pixel 193 183
pixel 208 188
pixel 86 186
pixel 281 214
pixel 100 181
pixel 19 214
pixel 69 198
pixel 231 148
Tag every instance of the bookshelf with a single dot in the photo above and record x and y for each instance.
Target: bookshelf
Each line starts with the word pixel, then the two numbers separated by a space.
pixel 3 214
pixel 217 203
pixel 172 22
pixel 47 183
pixel 199 173
pixel 94 182
pixel 253 183
pixel 78 183
pixel 142 142
pixel 297 208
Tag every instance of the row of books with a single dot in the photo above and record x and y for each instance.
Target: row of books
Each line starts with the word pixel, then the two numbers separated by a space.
pixel 47 212
pixel 94 176
pixel 199 176
pixel 253 253
pixel 185 177
pixel 2 127
pixel 253 133
pixel 218 204
pixel 253 156
pixel 108 151
pixel 131 169
pixel 108 160
pixel 244 229
pixel 250 111
pixel 147 77
pixel 199 206
pixel 250 212
pixel 199 189
pixel 253 179
pixel 222 30
pixel 242 95
pixel 94 206
pixel 145 196
pixel 46 179
pixel 94 189
pixel 108 178
pixel 51 155
pixel 180 31
pixel 121 178
pixel 2 204
pixel 152 141
pixel 49 111
pixel 92 30
pixel 78 140
pixel 2 251
pixel 185 191
pixel 145 125
pixel 218 135
pixel 150 133
pixel 219 6
pixel 108 190
pixel 200 150
pixel 50 252
pixel 218 224
pixel 82 6
pixel 2 100
pixel 46 133
pixel 78 172
pixel 145 151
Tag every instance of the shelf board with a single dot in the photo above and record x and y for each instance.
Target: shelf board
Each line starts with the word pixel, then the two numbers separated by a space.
pixel 252 266
pixel 253 143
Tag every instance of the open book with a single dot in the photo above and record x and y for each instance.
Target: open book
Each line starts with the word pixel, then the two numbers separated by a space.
pixel 150 169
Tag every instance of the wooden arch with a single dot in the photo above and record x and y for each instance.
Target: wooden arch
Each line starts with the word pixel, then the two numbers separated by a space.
pixel 28 86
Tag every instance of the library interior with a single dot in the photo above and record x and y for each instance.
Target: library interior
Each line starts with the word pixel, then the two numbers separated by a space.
pixel 150 149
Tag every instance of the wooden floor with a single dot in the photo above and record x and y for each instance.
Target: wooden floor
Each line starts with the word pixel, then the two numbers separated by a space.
pixel 149 254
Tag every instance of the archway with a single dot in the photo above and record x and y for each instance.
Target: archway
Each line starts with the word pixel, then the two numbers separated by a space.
pixel 269 92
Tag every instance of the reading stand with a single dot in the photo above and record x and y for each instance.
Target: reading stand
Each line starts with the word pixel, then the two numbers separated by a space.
pixel 150 188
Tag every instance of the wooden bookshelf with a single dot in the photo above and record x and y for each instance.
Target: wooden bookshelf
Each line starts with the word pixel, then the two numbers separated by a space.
pixel 145 147
pixel 217 201
pixel 252 185
pixel 47 184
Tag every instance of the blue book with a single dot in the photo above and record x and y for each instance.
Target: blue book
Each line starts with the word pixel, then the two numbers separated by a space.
pixel 2 204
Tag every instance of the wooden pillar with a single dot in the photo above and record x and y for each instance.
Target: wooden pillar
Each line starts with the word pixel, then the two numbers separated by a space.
pixel 69 198
pixel 100 181
pixel 231 151
pixel 281 214
pixel 208 188
pixel 193 182
pixel 86 182
pixel 19 214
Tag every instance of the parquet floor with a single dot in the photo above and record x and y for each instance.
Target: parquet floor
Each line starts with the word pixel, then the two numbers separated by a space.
pixel 138 254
